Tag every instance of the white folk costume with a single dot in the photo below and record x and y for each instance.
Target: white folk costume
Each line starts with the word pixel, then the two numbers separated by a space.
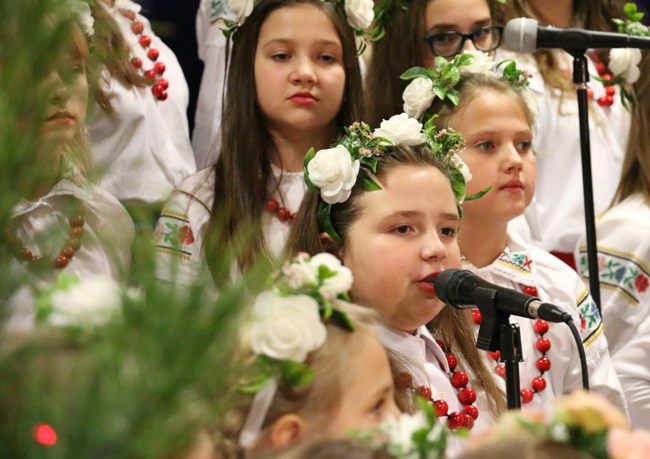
pixel 624 273
pixel 559 201
pixel 43 226
pixel 142 150
pixel 184 220
pixel 213 50
pixel 531 270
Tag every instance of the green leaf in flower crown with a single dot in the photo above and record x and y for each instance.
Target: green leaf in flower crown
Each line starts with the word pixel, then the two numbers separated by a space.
pixel 256 384
pixel 370 162
pixel 325 273
pixel 294 373
pixel 415 72
pixel 324 221
pixel 453 97
pixel 342 319
pixel 366 181
pixel 457 184
pixel 478 194
pixel 308 157
pixel 440 90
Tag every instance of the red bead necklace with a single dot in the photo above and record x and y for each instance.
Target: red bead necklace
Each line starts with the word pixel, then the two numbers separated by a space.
pixel 154 74
pixel 543 363
pixel 59 261
pixel 282 213
pixel 459 379
pixel 603 72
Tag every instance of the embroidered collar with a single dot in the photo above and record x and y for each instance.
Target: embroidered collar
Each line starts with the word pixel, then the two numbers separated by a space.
pixel 516 266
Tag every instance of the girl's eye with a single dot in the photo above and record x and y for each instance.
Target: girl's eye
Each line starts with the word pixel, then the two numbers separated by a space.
pixel 525 146
pixel 328 58
pixel 484 146
pixel 402 229
pixel 378 408
pixel 280 56
pixel 449 231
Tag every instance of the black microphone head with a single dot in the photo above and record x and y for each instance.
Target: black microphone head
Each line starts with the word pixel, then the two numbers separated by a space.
pixel 520 35
pixel 446 284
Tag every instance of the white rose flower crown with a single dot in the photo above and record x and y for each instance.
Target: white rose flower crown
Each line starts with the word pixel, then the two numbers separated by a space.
pixel 352 161
pixel 287 325
pixel 359 13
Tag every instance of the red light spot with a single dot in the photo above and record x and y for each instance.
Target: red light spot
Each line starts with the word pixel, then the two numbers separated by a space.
pixel 45 435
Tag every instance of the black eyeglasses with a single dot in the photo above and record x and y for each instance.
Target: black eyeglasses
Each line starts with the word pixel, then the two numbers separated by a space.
pixel 448 44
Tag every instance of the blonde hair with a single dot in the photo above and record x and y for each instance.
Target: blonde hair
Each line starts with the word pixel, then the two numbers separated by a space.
pixel 319 398
pixel 635 175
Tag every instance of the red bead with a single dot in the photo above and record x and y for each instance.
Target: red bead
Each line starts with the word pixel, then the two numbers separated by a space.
pixel 496 355
pixel 459 379
pixel 60 262
pixel 468 422
pixel 609 100
pixel 74 242
pixel 150 74
pixel 543 364
pixel 471 410
pixel 530 290
pixel 163 96
pixel 404 380
pixel 539 384
pixel 600 68
pixel 283 214
pixel 25 254
pixel 452 361
pixel 137 27
pixel 527 395
pixel 68 252
pixel 610 90
pixel 541 327
pixel 424 392
pixel 442 408
pixel 441 345
pixel 145 41
pixel 476 316
pixel 77 221
pixel 467 396
pixel 136 62
pixel 607 76
pixel 159 68
pixel 273 205
pixel 153 54
pixel 455 420
pixel 157 89
pixel 76 231
pixel 129 14
pixel 162 81
pixel 500 370
pixel 543 345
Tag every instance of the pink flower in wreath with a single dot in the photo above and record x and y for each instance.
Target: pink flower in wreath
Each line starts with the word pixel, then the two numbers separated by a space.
pixel 641 283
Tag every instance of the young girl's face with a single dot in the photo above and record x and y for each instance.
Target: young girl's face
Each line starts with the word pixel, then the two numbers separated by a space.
pixel 404 236
pixel 65 114
pixel 464 16
pixel 498 151
pixel 299 70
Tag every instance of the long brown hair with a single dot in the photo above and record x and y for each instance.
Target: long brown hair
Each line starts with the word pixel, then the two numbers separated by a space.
pixel 243 168
pixel 635 175
pixel 589 14
pixel 453 326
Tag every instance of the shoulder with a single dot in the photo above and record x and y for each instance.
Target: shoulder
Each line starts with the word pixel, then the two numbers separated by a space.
pixel 195 192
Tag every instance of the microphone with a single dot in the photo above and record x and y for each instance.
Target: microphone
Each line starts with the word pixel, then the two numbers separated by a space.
pixel 525 35
pixel 463 289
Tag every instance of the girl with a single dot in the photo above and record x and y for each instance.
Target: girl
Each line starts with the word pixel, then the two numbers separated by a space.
pixel 293 81
pixel 138 128
pixel 65 223
pixel 415 35
pixel 396 230
pixel 320 376
pixel 496 124
pixel 559 201
pixel 623 260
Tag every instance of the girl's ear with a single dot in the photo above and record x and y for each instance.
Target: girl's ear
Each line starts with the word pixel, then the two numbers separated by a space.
pixel 329 244
pixel 287 430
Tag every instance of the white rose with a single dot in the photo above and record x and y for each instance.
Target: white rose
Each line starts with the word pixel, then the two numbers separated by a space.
pixel 91 302
pixel 459 164
pixel 337 284
pixel 301 273
pixel 334 172
pixel 83 16
pixel 399 432
pixel 483 63
pixel 286 328
pixel 418 96
pixel 360 13
pixel 624 62
pixel 401 130
pixel 241 8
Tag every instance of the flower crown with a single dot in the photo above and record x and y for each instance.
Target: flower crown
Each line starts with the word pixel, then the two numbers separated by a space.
pixel 287 325
pixel 441 79
pixel 358 12
pixel 335 171
pixel 80 11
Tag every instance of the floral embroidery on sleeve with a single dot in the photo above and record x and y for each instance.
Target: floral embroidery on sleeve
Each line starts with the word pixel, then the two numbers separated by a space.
pixel 590 319
pixel 174 234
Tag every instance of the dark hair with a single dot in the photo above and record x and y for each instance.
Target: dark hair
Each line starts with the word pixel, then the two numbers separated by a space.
pixel 243 169
pixel 453 326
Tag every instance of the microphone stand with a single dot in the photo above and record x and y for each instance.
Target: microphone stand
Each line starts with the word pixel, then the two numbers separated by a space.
pixel 497 333
pixel 581 78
